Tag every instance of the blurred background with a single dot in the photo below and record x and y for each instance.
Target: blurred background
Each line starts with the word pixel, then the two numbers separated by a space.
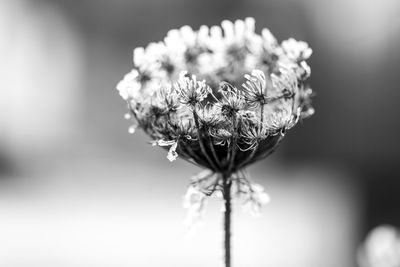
pixel 77 190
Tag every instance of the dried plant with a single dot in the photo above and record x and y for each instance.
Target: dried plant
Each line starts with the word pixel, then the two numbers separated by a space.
pixel 221 98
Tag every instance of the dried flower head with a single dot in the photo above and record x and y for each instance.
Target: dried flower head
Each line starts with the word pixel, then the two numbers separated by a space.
pixel 220 97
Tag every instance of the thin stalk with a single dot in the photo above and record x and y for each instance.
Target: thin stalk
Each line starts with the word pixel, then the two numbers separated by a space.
pixel 203 150
pixel 211 145
pixel 233 146
pixel 227 184
pixel 261 115
pixel 253 152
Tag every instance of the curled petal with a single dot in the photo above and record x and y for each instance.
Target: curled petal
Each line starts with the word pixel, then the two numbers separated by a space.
pixel 172 155
pixel 163 142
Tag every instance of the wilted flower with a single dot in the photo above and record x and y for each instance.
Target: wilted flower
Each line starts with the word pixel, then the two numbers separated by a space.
pixel 221 98
pixel 255 88
pixel 191 91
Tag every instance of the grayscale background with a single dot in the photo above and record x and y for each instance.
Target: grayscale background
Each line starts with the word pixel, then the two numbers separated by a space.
pixel 76 190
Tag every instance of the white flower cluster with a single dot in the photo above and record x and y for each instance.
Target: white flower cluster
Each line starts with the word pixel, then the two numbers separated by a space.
pixel 221 97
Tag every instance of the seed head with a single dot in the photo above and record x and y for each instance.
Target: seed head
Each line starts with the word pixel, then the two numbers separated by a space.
pixel 221 97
